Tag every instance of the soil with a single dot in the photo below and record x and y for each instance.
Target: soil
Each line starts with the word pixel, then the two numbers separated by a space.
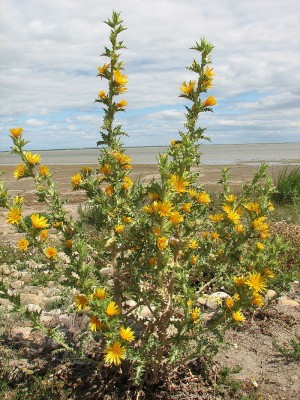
pixel 252 351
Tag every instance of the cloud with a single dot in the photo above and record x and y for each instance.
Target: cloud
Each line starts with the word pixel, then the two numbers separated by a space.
pixel 50 57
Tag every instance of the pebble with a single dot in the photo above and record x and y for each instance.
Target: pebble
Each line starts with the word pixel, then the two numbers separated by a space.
pixel 4 270
pixel 107 271
pixel 23 331
pixel 16 284
pixel 33 307
pixel 285 301
pixel 215 300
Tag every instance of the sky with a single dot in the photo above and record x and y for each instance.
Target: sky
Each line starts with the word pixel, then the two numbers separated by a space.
pixel 50 51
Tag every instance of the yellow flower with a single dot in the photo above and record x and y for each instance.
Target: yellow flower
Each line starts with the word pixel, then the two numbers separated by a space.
pixel 192 244
pixel 178 184
pixel 112 309
pixel 164 208
pixel 268 273
pixel 105 169
pixel 44 234
pixel 127 183
pixel 121 157
pixel 39 222
pixel 271 206
pixel 153 261
pixel 214 236
pixel 102 70
pixel 32 158
pixel 119 228
pixel 119 78
pixel 19 171
pixel 126 334
pixel 16 132
pixel 236 297
pixel 102 94
pixel 99 294
pixel 122 104
pixel 127 220
pixel 68 244
pixel 81 301
pixel 44 170
pixel 239 228
pixel 76 180
pixel 229 302
pixel 187 88
pixel 95 324
pixel 233 216
pixel 194 260
pixel 109 190
pixel 257 300
pixel 57 224
pixel 230 198
pixel 203 198
pixel 238 316
pixel 252 206
pixel 209 72
pixel 256 282
pixel 195 312
pixel 216 217
pixel 147 209
pixel 154 196
pixel 239 280
pixel 176 218
pixel 260 224
pixel 23 244
pixel 162 243
pixel 210 101
pixel 193 193
pixel 51 252
pixel 114 354
pixel 260 246
pixel 186 207
pixel 14 216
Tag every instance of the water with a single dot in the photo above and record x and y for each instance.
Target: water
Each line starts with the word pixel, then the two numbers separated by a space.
pixel 273 153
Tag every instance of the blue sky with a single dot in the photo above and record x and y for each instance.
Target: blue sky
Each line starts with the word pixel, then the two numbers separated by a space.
pixel 50 53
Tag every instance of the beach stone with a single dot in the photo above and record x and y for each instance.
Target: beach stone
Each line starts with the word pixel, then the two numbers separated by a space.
pixel 215 300
pixel 4 270
pixel 130 303
pixel 285 301
pixel 6 304
pixel 31 298
pixel 22 332
pixel 16 284
pixel 33 308
pixel 145 312
pixel 206 317
pixel 107 271
pixel 270 294
pixel 202 300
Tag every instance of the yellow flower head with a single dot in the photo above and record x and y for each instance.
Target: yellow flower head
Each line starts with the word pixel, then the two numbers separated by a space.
pixel 95 324
pixel 252 206
pixel 192 244
pixel 238 316
pixel 102 94
pixel 119 78
pixel 153 261
pixel 112 309
pixel 229 303
pixel 239 228
pixel 51 253
pixel 203 198
pixel 260 246
pixel 121 157
pixel 127 220
pixel 102 70
pixel 210 101
pixel 257 300
pixel 119 228
pixel 19 171
pixel 195 313
pixel 122 104
pixel 216 217
pixel 81 301
pixel 178 184
pixel 76 180
pixel 105 169
pixel 114 354
pixel 256 282
pixel 164 208
pixel 127 183
pixel 33 159
pixel 260 224
pixel 268 273
pixel 230 198
pixel 271 206
pixel 14 216
pixel 39 222
pixel 16 132
pixel 214 236
pixel 23 244
pixel 194 260
pixel 239 280
pixel 187 88
pixel 126 334
pixel 186 207
pixel 99 294
pixel 162 243
pixel 68 244
pixel 109 190
pixel 233 216
pixel 193 193
pixel 176 218
pixel 44 234
pixel 209 72
pixel 44 170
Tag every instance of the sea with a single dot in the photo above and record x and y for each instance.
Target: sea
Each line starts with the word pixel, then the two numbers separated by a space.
pixel 212 154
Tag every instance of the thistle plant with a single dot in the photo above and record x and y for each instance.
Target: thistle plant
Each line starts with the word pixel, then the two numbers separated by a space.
pixel 151 255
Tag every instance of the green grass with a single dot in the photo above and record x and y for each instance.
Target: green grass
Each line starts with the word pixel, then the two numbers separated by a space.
pixel 288 186
pixel 290 351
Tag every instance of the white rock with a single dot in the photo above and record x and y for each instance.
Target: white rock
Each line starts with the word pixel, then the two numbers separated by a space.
pixel 33 308
pixel 107 271
pixel 216 299
pixel 16 284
